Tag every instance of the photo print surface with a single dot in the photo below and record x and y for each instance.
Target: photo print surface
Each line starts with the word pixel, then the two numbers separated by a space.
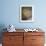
pixel 26 13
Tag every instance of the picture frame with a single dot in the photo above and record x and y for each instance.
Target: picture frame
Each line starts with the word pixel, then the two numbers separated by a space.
pixel 26 13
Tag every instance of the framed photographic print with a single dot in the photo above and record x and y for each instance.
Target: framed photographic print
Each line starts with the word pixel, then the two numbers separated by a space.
pixel 26 13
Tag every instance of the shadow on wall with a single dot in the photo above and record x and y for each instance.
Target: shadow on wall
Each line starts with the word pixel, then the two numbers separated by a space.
pixel 2 26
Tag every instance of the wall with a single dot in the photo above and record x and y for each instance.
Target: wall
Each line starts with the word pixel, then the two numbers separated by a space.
pixel 10 13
